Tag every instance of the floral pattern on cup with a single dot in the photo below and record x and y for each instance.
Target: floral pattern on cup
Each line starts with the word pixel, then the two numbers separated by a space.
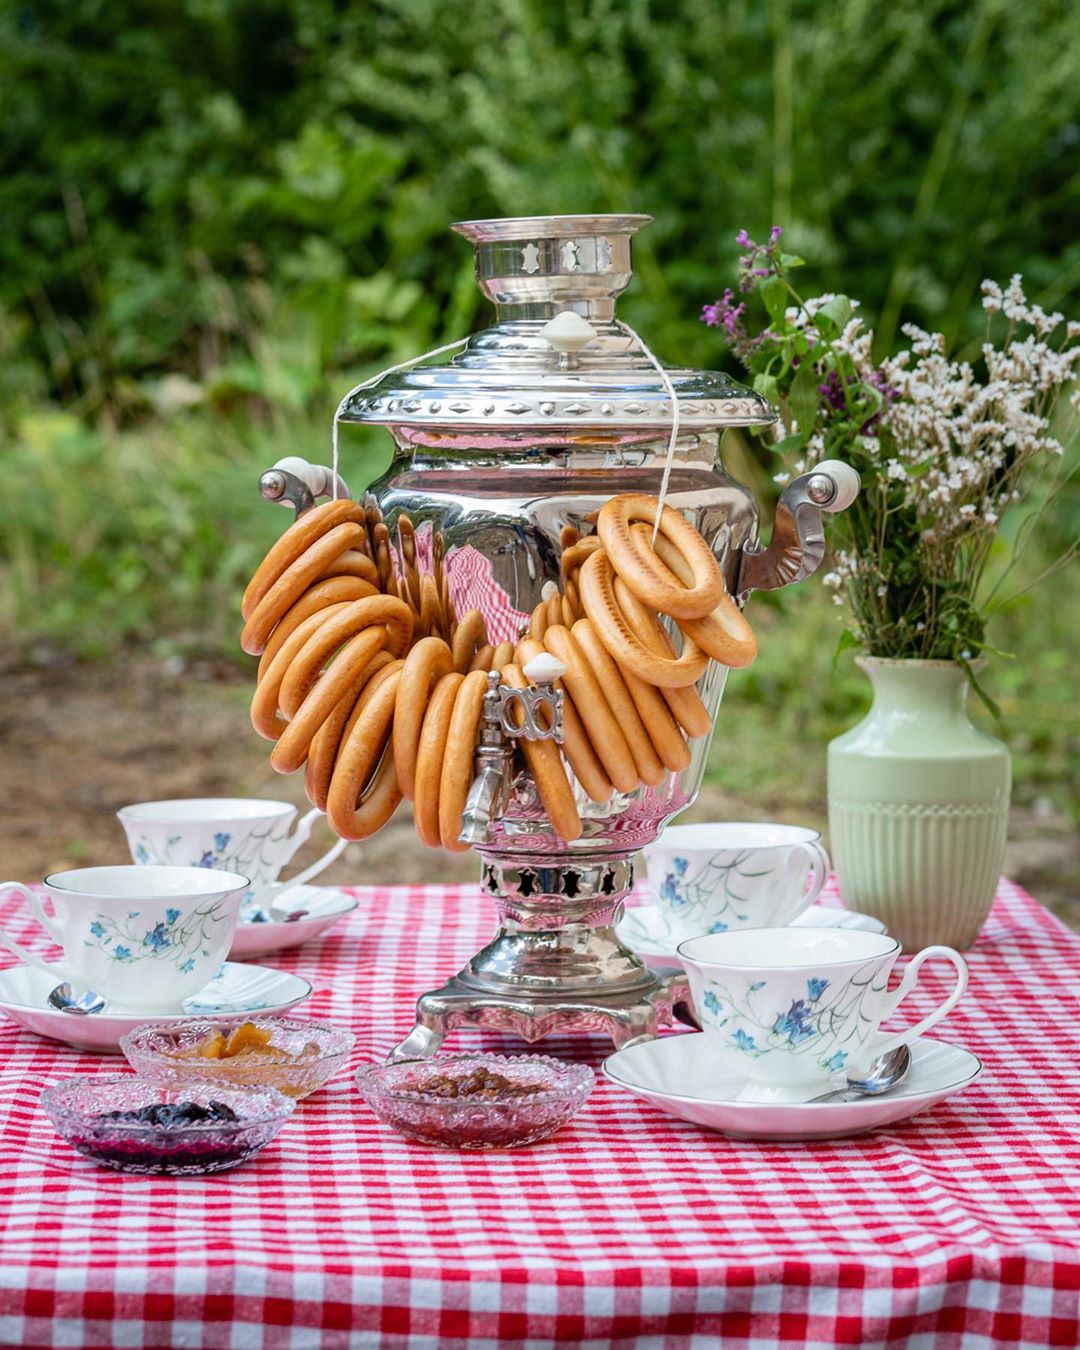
pixel 717 877
pixel 177 939
pixel 829 1022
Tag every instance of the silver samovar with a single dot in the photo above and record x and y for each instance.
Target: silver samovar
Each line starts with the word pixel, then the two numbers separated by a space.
pixel 530 429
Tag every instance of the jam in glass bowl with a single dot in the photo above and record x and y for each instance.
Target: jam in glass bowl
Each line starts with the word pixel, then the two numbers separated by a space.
pixel 131 1125
pixel 476 1101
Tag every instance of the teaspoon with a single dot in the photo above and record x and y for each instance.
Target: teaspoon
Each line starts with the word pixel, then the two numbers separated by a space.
pixel 886 1072
pixel 63 999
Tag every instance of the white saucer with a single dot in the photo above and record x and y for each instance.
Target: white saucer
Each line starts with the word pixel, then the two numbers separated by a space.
pixel 646 931
pixel 235 992
pixel 324 905
pixel 679 1074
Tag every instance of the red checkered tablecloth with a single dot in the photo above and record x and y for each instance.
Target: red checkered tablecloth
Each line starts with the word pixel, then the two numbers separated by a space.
pixel 959 1228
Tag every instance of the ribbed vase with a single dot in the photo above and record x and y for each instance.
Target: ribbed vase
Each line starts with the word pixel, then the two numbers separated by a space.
pixel 919 806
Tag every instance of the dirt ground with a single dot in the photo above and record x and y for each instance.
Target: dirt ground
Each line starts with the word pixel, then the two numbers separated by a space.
pixel 79 742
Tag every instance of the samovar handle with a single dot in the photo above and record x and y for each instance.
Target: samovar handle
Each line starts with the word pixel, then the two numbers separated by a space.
pixel 797 545
pixel 293 481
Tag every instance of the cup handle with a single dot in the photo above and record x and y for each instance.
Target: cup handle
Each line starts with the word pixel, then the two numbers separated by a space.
pixel 37 909
pixel 907 984
pixel 303 831
pixel 818 862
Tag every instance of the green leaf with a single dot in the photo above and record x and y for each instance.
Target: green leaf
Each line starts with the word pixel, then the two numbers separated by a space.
pixel 803 398
pixel 833 317
pixel 845 642
pixel 790 445
pixel 766 386
pixel 775 295
pixel 791 260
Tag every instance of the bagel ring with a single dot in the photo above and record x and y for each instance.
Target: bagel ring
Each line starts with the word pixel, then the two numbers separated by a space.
pixel 597 587
pixel 426 664
pixel 642 570
pixel 458 758
pixel 430 755
pixel 359 801
pixel 576 744
pixel 303 532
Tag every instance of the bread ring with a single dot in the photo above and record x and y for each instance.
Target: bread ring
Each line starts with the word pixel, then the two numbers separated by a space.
pixel 538 622
pixel 576 745
pixel 431 617
pixel 667 739
pixel 470 634
pixel 382 613
pixel 354 563
pixel 425 665
pixel 502 655
pixel 607 738
pixel 639 567
pixel 568 536
pixel 407 554
pixel 264 702
pixel 725 635
pixel 596 583
pixel 545 764
pixel 429 758
pixel 649 766
pixel 293 582
pixel 343 681
pixel 577 554
pixel 353 812
pixel 685 703
pixel 335 590
pixel 483 658
pixel 380 538
pixel 303 532
pixel 458 758
pixel 554 609
pixel 322 752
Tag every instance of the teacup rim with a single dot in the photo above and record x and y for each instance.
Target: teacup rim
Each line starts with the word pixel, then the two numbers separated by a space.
pixel 226 882
pixel 132 810
pixel 807 833
pixel 892 949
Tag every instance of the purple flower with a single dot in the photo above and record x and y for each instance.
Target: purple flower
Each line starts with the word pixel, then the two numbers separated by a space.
pixel 724 314
pixel 775 233
pixel 743 240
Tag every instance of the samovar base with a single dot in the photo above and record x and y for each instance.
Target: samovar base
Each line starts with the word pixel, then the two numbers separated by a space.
pixel 628 1017
pixel 556 963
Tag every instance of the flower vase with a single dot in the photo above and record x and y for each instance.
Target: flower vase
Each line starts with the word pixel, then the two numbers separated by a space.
pixel 919 806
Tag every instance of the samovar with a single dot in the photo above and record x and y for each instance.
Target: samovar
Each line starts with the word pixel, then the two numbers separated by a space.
pixel 529 430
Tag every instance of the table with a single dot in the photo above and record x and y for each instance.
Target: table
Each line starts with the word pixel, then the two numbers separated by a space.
pixel 961 1228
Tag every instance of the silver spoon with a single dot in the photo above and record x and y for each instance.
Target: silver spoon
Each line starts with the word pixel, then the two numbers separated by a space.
pixel 63 999
pixel 886 1072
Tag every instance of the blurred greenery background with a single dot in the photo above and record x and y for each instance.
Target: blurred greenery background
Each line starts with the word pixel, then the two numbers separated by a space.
pixel 221 214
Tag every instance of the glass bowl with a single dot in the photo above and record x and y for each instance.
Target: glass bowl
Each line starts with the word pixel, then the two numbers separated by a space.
pixel 76 1107
pixel 155 1052
pixel 495 1118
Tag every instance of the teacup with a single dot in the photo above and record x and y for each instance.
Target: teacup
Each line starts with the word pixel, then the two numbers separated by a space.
pixel 789 1009
pixel 144 937
pixel 715 877
pixel 240 834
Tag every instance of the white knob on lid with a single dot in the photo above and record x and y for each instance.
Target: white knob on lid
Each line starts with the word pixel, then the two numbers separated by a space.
pixel 833 485
pixel 318 479
pixel 544 669
pixel 568 332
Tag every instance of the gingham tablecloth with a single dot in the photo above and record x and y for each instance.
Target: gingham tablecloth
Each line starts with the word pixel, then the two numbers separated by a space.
pixel 960 1228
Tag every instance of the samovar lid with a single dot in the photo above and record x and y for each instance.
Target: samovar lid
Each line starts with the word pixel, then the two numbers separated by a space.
pixel 510 375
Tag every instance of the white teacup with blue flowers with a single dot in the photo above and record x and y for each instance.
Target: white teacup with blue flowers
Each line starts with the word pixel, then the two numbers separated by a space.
pixel 712 878
pixel 241 834
pixel 144 937
pixel 791 1010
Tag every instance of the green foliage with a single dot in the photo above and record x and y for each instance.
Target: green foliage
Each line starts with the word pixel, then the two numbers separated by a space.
pixel 168 166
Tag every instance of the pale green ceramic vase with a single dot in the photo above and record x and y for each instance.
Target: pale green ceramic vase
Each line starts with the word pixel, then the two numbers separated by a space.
pixel 919 806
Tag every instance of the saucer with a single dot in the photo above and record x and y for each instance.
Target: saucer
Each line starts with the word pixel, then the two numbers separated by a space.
pixel 324 905
pixel 679 1074
pixel 235 992
pixel 646 931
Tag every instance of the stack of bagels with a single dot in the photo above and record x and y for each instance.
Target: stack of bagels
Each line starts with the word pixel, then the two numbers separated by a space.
pixel 368 679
